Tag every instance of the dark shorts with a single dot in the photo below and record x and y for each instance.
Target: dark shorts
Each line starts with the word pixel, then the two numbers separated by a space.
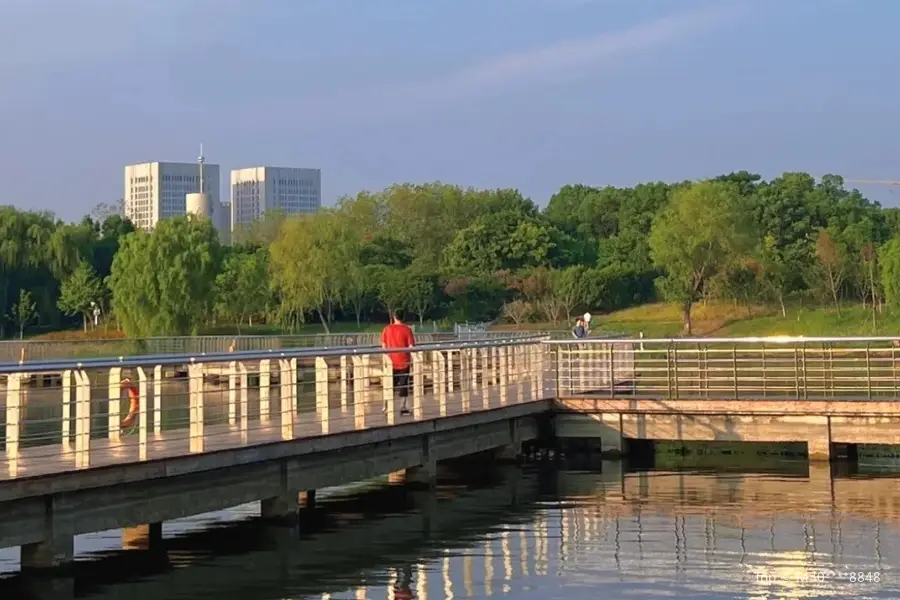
pixel 402 381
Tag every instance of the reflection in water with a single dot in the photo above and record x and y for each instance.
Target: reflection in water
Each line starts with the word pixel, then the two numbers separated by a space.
pixel 548 534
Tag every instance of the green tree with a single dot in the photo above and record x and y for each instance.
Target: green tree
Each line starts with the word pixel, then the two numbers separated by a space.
pixel 163 282
pixel 697 236
pixel 242 287
pixel 308 263
pixel 81 292
pixel 889 259
pixel 24 312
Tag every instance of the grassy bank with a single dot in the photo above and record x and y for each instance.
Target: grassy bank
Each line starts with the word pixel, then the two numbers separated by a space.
pixel 726 319
pixel 717 319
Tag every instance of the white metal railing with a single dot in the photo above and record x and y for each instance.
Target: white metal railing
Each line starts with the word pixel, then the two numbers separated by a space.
pixel 856 368
pixel 74 414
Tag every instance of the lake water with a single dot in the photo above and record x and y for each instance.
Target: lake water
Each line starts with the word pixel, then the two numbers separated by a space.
pixel 549 530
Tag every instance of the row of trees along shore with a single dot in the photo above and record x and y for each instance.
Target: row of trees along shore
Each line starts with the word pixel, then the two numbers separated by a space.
pixel 450 253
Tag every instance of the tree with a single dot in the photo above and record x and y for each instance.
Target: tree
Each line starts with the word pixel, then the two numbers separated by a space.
pixel 773 271
pixel 81 292
pixel 889 258
pixel 242 287
pixel 421 287
pixel 518 311
pixel 832 265
pixel 163 282
pixel 308 263
pixel 24 311
pixel 570 286
pixel 695 238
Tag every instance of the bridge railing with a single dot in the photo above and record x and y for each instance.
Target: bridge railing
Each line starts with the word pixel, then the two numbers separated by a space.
pixel 36 350
pixel 60 415
pixel 858 368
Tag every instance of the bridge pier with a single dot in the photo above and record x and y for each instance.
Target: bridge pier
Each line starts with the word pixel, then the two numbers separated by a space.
pixel 54 552
pixel 142 537
pixel 287 505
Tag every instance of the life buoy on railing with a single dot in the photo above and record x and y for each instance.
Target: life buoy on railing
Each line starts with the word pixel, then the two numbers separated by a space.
pixel 134 404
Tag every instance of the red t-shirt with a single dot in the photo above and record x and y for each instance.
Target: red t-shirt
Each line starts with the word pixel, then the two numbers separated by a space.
pixel 398 335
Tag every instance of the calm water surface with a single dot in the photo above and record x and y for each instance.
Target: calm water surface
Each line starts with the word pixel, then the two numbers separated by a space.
pixel 574 532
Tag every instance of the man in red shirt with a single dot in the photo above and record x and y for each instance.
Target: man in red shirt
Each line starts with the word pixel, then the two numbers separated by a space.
pixel 399 335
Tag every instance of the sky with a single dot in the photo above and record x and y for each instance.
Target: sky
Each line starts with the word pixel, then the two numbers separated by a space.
pixel 530 94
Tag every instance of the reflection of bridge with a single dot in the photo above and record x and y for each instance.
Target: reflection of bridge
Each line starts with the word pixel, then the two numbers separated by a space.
pixel 683 531
pixel 69 465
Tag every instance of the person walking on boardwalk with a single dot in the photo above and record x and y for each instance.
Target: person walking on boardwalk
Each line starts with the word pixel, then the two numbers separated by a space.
pixel 399 335
pixel 580 330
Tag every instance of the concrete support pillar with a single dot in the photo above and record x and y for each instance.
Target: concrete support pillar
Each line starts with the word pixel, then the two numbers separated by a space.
pixel 287 504
pixel 423 475
pixel 142 537
pixel 819 449
pixel 49 554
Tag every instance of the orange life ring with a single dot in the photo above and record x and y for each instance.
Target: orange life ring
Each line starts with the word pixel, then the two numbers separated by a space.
pixel 134 404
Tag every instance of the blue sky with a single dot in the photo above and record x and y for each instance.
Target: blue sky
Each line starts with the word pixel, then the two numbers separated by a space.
pixel 531 94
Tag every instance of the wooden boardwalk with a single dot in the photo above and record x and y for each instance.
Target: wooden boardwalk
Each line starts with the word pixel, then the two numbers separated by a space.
pixel 58 458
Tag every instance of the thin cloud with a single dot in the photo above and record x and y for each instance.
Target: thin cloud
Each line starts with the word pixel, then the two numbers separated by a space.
pixel 572 59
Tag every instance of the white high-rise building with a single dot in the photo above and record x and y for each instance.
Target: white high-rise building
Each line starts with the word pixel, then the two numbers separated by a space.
pixel 157 190
pixel 287 190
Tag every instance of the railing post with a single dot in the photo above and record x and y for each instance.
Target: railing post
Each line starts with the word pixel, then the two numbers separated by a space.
pixel 796 373
pixel 13 419
pixel 344 381
pixel 451 370
pixel 868 373
pixel 82 420
pixel 441 384
pixel 675 366
pixel 418 382
pixel 612 372
pixel 157 399
pixel 197 421
pixel 114 392
pixel 143 393
pixel 765 381
pixel 504 375
pixel 734 371
pixel 66 407
pixel 465 380
pixel 288 386
pixel 265 392
pixel 360 375
pixel 323 411
pixel 245 401
pixel 387 388
pixel 232 392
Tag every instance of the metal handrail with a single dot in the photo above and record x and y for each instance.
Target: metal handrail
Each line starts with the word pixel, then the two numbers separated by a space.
pixel 57 365
pixel 778 339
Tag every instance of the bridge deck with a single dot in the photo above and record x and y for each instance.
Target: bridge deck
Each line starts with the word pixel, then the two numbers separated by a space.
pixel 59 458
